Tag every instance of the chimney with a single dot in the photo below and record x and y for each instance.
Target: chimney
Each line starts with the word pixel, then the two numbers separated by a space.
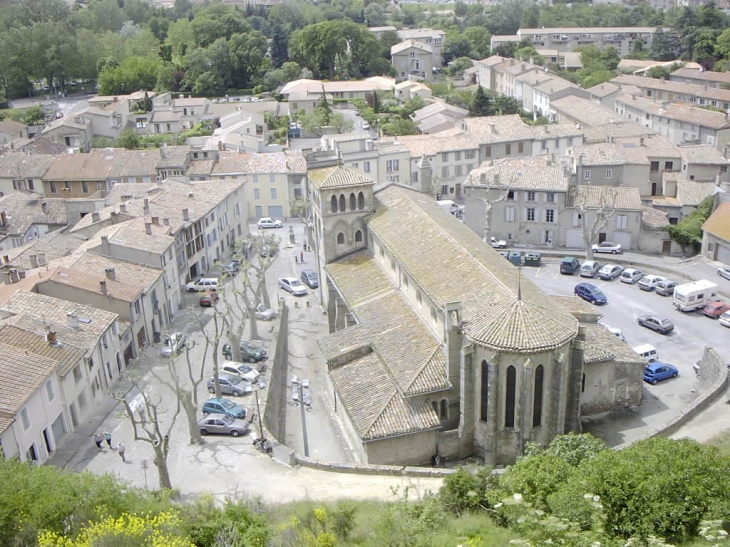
pixel 641 141
pixel 718 175
pixel 146 206
pixel 186 214
pixel 166 221
pixel 106 249
pixel 547 129
pixel 51 338
pixel 44 208
pixel 41 259
pixel 6 259
pixel 73 320
pixel 102 286
pixel 191 194
pixel 95 216
pixel 33 261
pixel 492 128
pixel 111 274
pixel 3 218
pixel 122 207
pixel 156 221
pixel 148 228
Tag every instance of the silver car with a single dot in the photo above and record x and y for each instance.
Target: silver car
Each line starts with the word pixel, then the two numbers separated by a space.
pixel 244 371
pixel 173 343
pixel 231 384
pixel 293 285
pixel 264 313
pixel 223 425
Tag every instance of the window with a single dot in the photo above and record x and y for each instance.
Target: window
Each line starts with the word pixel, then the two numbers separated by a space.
pixel 537 399
pixel 508 149
pixel 587 174
pixel 445 172
pixel 654 167
pixel 444 409
pixel 237 210
pixel 576 219
pixel 352 202
pixel 49 390
pixel 609 173
pixel 340 238
pixel 445 156
pixel 550 197
pixel 509 403
pixel 550 215
pixel 470 154
pixel 457 156
pixel 77 374
pixel 392 166
pixel 26 419
pixel 510 195
pixel 485 392
pixel 530 196
pixel 358 237
pixel 256 193
pixel 84 187
pixel 509 214
pixel 457 170
pixel 520 147
pixel 272 178
pixel 366 166
pixel 444 190
pixel 343 206
pixel 622 222
pixel 255 178
pixel 531 214
pixel 333 204
pixel 361 201
pixel 488 152
pixel 413 54
pixel 53 187
pixel 668 165
pixel 414 176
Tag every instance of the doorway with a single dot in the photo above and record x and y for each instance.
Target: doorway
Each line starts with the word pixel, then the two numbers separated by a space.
pixel 667 247
pixel 601 237
pixel 47 441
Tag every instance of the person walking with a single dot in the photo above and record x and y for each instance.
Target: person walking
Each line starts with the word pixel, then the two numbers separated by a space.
pixel 121 448
pixel 98 440
pixel 108 438
pixel 301 257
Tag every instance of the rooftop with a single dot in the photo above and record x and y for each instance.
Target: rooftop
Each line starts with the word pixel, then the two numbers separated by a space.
pixel 408 44
pixel 677 110
pixel 64 354
pixel 692 192
pixel 328 178
pixel 706 75
pixel 602 345
pixel 654 218
pixel 128 273
pixel 583 110
pixel 688 90
pixel 529 173
pixel 618 198
pixel 586 30
pixel 16 165
pixel 702 154
pixel 277 162
pixel 92 282
pixel 624 151
pixel 68 167
pixel 24 210
pixel 719 222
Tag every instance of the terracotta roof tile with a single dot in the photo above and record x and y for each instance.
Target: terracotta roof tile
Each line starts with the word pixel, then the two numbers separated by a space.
pixel 621 198
pixel 719 222
pixel 529 173
pixel 337 177
pixel 692 192
pixel 21 375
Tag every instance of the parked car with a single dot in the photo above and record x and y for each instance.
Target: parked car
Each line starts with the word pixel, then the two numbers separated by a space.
pixel 223 425
pixel 220 405
pixel 172 343
pixel 631 276
pixel 724 272
pixel 365 125
pixel 662 326
pixel 725 319
pixel 310 278
pixel 497 243
pixel 293 286
pixel 264 313
pixel 249 352
pixel 208 299
pixel 244 371
pixel 264 251
pixel 649 282
pixel 716 309
pixel 569 265
pixel 268 222
pixel 590 293
pixel 658 371
pixel 607 247
pixel 231 384
pixel 610 271
pixel 590 268
pixel 233 267
pixel 202 284
pixel 665 287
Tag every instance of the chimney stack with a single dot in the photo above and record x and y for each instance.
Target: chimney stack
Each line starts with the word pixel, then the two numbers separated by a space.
pixel 148 228
pixel 73 320
pixel 33 261
pixel 44 208
pixel 106 249
pixel 111 273
pixel 102 286
pixel 492 128
pixel 166 221
pixel 641 141
pixel 186 214
pixel 146 206
pixel 95 216
pixel 122 207
pixel 51 338
pixel 191 194
pixel 3 218
pixel 156 221
pixel 41 259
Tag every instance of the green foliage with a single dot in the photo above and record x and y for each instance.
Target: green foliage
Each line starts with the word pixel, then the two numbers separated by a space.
pixel 465 490
pixel 239 522
pixel 34 115
pixel 688 233
pixel 134 74
pixel 405 523
pixel 399 126
pixel 572 447
pixel 129 139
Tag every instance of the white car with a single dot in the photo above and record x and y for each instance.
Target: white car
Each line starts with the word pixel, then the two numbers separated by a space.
pixel 724 272
pixel 497 243
pixel 268 222
pixel 293 285
pixel 725 319
pixel 365 125
pixel 607 247
pixel 610 271
pixel 203 284
pixel 265 314
pixel 649 282
pixel 173 343
pixel 244 371
pixel 631 276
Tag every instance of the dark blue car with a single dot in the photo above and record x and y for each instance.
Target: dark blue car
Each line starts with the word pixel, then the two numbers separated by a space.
pixel 590 293
pixel 658 371
pixel 223 406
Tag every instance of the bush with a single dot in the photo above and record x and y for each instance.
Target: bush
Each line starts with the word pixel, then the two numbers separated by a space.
pixel 465 490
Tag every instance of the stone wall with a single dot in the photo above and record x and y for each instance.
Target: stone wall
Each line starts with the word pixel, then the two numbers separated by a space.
pixel 275 407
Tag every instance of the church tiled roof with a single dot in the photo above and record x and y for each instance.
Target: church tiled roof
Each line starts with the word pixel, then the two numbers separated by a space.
pixel 337 177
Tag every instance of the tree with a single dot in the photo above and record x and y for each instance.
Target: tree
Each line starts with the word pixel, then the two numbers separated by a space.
pixel 595 205
pixel 129 139
pixel 480 41
pixel 529 54
pixel 457 46
pixel 688 233
pixel 400 126
pixel 247 53
pixel 375 15
pixel 279 47
pixel 481 103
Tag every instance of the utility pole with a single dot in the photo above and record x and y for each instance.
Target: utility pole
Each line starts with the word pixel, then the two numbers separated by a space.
pixel 304 421
pixel 258 414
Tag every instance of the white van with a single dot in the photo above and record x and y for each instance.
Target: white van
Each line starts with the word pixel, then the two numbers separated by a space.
pixel 647 352
pixel 453 208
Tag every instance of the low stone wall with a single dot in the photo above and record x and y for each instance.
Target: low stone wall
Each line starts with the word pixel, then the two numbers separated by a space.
pixel 275 408
pixel 713 373
pixel 365 469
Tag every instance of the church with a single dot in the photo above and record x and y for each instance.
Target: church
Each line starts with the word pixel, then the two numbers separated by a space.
pixel 437 344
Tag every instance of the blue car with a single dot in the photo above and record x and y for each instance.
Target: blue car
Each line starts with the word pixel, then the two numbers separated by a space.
pixel 590 293
pixel 658 371
pixel 223 406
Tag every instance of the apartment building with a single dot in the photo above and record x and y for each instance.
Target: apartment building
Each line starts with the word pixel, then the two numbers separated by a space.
pixel 24 218
pixel 680 122
pixel 579 110
pixel 431 37
pixel 667 90
pixel 23 173
pixel 413 60
pixel 701 76
pixel 350 89
pixel 570 38
pixel 275 181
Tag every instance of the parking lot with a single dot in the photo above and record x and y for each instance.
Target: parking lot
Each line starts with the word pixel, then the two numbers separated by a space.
pixel 683 347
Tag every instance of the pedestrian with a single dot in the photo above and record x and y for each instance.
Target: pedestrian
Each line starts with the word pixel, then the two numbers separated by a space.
pixel 301 257
pixel 121 448
pixel 296 259
pixel 108 438
pixel 142 416
pixel 98 440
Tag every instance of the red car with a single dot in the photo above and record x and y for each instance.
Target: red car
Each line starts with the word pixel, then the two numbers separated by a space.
pixel 208 299
pixel 716 309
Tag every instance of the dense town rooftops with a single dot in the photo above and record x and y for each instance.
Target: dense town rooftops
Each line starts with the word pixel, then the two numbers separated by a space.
pixel 677 110
pixel 687 90
pixel 529 173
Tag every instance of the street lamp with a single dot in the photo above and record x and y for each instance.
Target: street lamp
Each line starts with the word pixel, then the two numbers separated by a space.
pixel 257 386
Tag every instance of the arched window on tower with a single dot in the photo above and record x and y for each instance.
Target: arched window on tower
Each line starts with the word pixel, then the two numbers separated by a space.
pixel 537 398
pixel 352 202
pixel 361 201
pixel 444 409
pixel 358 237
pixel 435 406
pixel 343 203
pixel 509 403
pixel 333 204
pixel 485 391
pixel 340 239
